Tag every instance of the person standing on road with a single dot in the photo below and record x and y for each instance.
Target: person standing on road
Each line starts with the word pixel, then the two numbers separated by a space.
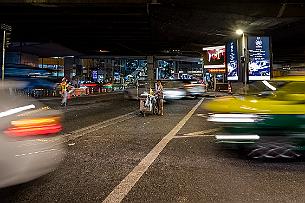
pixel 159 94
pixel 64 91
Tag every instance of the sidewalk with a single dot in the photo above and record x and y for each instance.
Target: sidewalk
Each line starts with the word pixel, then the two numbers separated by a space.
pixel 77 97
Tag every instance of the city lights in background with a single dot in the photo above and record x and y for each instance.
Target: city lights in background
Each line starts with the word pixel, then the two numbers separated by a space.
pixel 104 51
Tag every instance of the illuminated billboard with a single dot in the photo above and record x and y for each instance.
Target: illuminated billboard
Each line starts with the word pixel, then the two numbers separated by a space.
pixel 259 58
pixel 214 57
pixel 232 60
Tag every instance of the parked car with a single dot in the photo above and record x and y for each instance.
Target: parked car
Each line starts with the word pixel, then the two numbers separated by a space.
pixel 271 126
pixel 29 137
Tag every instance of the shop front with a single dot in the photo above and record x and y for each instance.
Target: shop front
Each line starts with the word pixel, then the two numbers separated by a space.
pixel 215 78
pixel 214 68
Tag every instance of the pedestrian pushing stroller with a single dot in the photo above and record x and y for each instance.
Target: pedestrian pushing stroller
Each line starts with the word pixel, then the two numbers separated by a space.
pixel 148 104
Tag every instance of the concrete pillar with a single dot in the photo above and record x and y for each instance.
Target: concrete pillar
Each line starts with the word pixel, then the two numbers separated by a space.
pixel 112 70
pixel 151 69
pixel 215 81
pixel 68 67
pixel 157 70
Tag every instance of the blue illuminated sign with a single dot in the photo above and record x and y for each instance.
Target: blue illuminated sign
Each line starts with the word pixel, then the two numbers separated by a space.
pixel 259 58
pixel 94 75
pixel 232 60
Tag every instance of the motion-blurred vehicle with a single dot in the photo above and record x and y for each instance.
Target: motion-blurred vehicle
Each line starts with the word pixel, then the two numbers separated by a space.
pixel 37 87
pixel 29 142
pixel 194 88
pixel 133 91
pixel 269 126
pixel 173 89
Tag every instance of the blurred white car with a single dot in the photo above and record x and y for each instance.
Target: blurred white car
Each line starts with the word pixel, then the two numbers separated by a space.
pixel 173 89
pixel 194 88
pixel 29 142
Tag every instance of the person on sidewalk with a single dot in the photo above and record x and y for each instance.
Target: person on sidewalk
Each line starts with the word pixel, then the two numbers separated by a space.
pixel 64 91
pixel 160 96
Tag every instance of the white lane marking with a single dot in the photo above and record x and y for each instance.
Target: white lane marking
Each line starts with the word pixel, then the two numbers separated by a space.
pixel 103 122
pixel 202 132
pixel 86 130
pixel 83 131
pixel 191 136
pixel 123 188
pixel 202 115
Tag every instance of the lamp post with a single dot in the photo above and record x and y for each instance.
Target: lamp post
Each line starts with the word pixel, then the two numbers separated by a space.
pixel 244 56
pixel 6 29
pixel 202 69
pixel 3 54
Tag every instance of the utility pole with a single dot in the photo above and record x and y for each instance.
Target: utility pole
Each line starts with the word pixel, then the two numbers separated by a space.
pixel 245 59
pixel 6 29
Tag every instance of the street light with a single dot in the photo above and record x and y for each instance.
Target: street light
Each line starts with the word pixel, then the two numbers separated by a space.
pixel 239 32
pixel 6 29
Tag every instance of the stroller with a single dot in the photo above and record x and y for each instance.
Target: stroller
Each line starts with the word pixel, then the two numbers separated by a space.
pixel 148 104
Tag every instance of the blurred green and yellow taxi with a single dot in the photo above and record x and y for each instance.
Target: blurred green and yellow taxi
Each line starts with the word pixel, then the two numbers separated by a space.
pixel 269 126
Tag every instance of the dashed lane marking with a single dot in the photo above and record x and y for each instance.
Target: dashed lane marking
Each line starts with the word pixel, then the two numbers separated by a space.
pixel 193 136
pixel 201 133
pixel 123 188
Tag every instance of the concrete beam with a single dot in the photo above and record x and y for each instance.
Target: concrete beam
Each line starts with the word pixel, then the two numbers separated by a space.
pixel 75 1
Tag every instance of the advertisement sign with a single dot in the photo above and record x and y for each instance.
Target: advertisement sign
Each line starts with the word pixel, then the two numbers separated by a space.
pixel 94 75
pixel 214 57
pixel 232 60
pixel 259 58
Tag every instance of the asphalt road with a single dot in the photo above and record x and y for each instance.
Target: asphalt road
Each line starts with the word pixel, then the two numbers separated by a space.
pixel 153 159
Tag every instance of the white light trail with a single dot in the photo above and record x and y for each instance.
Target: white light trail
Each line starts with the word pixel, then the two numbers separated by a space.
pixel 16 110
pixel 237 137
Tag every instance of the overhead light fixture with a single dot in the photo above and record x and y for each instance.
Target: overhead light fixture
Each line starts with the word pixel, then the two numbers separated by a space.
pixel 239 32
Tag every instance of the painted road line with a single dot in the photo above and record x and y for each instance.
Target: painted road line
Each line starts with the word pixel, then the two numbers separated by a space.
pixel 202 115
pixel 193 136
pixel 89 129
pixel 112 120
pixel 202 132
pixel 123 188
